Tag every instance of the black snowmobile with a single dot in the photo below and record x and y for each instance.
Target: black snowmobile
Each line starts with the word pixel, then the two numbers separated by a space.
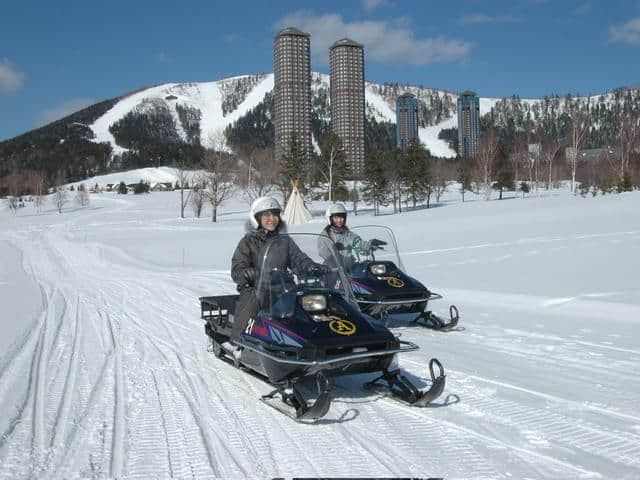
pixel 309 325
pixel 381 286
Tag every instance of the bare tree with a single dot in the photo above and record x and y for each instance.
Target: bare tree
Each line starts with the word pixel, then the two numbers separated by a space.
pixel 439 176
pixel 14 184
pixel 519 156
pixel 354 196
pixel 197 196
pixel 627 139
pixel 534 157
pixel 35 182
pixel 578 134
pixel 182 178
pixel 334 167
pixel 549 149
pixel 218 176
pixel 82 196
pixel 486 157
pixel 60 195
pixel 261 174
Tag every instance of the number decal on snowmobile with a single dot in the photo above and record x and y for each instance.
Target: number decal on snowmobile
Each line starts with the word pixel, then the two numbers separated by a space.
pixel 249 326
pixel 342 327
pixel 395 282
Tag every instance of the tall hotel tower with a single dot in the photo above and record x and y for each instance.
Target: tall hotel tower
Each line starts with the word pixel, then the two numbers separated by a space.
pixel 292 90
pixel 406 119
pixel 468 124
pixel 346 62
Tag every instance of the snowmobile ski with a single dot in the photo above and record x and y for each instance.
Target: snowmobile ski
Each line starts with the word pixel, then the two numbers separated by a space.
pixel 294 405
pixel 399 387
pixel 431 320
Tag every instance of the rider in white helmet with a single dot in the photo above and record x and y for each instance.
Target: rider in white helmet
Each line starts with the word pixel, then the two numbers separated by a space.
pixel 265 223
pixel 347 243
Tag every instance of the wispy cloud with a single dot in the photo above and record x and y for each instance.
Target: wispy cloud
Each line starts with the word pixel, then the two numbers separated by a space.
pixel 62 110
pixel 162 57
pixel 373 4
pixel 389 42
pixel 628 32
pixel 233 38
pixel 583 9
pixel 10 78
pixel 481 18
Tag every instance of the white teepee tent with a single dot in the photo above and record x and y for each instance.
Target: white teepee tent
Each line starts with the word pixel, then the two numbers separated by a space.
pixel 295 213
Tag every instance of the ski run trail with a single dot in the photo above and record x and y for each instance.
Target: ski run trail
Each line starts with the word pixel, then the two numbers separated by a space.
pixel 104 371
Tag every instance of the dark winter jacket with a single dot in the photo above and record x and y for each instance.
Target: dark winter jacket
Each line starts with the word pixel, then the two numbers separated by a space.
pixel 250 251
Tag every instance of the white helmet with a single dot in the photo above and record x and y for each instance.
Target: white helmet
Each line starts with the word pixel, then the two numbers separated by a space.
pixel 335 209
pixel 260 205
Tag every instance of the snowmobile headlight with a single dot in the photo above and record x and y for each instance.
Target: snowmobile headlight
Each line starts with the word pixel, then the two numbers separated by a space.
pixel 378 269
pixel 314 303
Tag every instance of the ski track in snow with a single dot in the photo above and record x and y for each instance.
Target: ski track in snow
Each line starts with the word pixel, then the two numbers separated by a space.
pixel 113 380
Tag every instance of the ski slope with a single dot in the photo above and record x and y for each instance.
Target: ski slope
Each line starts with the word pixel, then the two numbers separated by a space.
pixel 104 371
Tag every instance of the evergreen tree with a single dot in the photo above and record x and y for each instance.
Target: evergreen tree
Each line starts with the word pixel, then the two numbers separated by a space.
pixel 524 188
pixel 141 187
pixel 626 183
pixel 584 189
pixel 122 188
pixel 414 172
pixel 464 175
pixel 504 174
pixel 375 186
pixel 291 165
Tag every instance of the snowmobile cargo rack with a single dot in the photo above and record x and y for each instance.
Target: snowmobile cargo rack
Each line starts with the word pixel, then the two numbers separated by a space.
pixel 218 308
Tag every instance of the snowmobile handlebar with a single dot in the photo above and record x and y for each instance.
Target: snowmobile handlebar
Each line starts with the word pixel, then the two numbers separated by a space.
pixel 405 346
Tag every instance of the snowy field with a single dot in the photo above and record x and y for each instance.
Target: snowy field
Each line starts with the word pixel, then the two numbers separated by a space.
pixel 104 370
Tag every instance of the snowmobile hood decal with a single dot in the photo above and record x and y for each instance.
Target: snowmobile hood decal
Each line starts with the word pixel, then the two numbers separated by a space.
pixel 267 330
pixel 395 282
pixel 342 327
pixel 361 288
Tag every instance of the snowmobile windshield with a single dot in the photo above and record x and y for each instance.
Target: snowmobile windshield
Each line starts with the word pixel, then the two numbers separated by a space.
pixel 378 244
pixel 299 267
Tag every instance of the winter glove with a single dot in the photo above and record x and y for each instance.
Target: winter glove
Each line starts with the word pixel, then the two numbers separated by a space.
pixel 377 244
pixel 317 270
pixel 249 276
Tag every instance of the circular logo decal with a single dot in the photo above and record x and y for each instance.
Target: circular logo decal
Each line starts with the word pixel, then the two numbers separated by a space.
pixel 395 282
pixel 342 327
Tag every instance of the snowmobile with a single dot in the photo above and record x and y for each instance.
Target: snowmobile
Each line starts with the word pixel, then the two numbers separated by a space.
pixel 381 285
pixel 309 327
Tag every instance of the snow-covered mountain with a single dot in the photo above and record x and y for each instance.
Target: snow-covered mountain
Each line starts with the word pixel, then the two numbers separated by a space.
pixel 222 102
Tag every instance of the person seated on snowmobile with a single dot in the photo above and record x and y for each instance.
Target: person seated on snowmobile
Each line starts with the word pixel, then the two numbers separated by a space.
pixel 264 224
pixel 347 243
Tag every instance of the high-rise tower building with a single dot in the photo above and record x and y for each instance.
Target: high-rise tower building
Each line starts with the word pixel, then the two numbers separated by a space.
pixel 346 62
pixel 406 119
pixel 292 89
pixel 468 124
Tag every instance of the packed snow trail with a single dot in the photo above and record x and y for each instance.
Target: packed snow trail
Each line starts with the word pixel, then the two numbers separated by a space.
pixel 108 374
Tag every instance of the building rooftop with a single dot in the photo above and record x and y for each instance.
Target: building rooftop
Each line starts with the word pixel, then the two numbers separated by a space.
pixel 292 31
pixel 468 93
pixel 407 95
pixel 346 42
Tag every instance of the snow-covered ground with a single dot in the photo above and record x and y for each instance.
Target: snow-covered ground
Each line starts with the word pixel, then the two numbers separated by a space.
pixel 104 370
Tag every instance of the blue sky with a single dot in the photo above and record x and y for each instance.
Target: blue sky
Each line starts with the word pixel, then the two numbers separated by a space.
pixel 57 57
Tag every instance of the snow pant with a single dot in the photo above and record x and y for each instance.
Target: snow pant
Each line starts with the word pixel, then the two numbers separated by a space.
pixel 246 306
